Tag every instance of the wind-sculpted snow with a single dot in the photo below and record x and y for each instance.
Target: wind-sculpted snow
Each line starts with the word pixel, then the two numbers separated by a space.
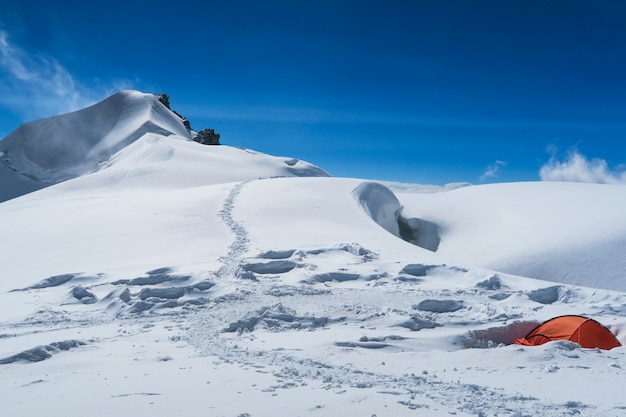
pixel 416 323
pixel 352 249
pixel 53 281
pixel 417 270
pixel 277 254
pixel 547 295
pixel 493 283
pixel 83 295
pixel 383 207
pixel 154 277
pixel 40 353
pixel 276 317
pixel 380 204
pixel 62 147
pixel 161 288
pixel 271 267
pixel 334 276
pixel 440 306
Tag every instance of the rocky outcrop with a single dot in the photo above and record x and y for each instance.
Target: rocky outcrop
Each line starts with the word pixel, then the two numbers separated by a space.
pixel 165 100
pixel 205 137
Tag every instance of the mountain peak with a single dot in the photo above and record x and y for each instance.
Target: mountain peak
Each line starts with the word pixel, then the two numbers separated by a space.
pixel 139 129
pixel 71 144
pixel 54 149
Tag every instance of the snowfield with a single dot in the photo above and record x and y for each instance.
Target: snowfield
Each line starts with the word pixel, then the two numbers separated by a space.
pixel 150 275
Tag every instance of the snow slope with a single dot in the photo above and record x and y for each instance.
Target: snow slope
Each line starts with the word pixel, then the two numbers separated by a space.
pixel 181 279
pixel 564 232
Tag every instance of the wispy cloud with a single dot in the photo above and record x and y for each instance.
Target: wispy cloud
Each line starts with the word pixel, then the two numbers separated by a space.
pixel 34 85
pixel 493 170
pixel 577 168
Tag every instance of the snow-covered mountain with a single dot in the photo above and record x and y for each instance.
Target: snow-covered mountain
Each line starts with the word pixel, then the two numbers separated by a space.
pixel 126 131
pixel 145 273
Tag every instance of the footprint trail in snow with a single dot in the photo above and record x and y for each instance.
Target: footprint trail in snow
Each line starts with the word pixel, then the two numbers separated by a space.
pixel 241 242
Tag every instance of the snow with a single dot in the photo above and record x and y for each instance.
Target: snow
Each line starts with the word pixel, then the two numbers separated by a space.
pixel 130 131
pixel 152 275
pixel 564 232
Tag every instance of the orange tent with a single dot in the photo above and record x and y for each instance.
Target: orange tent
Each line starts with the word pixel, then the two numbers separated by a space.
pixel 587 332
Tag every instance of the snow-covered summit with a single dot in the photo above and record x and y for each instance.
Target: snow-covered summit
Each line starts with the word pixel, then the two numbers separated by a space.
pixel 48 151
pixel 72 144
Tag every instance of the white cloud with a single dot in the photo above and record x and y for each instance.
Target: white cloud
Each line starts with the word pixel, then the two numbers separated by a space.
pixel 577 168
pixel 35 86
pixel 492 170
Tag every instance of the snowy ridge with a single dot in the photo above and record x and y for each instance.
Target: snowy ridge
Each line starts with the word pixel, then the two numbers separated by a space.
pixel 262 287
pixel 70 145
pixel 134 131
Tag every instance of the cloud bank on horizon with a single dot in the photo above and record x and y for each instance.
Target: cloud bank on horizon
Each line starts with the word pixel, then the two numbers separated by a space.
pixel 36 86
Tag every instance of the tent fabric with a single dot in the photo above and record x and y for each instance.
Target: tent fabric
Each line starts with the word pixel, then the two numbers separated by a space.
pixel 587 332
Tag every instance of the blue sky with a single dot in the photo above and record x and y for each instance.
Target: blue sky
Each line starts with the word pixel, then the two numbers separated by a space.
pixel 431 92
